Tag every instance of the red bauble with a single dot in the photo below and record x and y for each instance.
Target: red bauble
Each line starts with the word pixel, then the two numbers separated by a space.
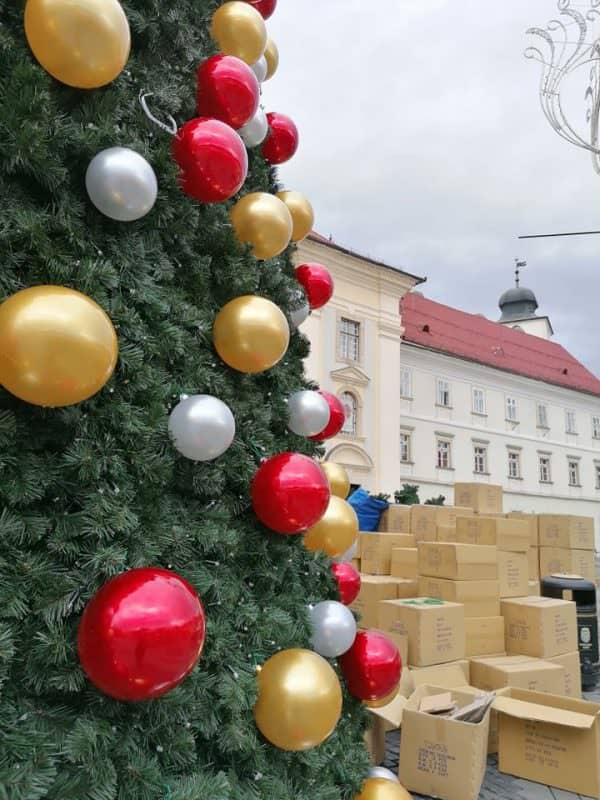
pixel 290 493
pixel 264 7
pixel 141 634
pixel 317 282
pixel 282 140
pixel 372 667
pixel 212 158
pixel 228 90
pixel 348 580
pixel 337 417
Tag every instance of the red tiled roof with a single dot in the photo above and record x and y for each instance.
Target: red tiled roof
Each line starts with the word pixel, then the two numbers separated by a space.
pixel 447 330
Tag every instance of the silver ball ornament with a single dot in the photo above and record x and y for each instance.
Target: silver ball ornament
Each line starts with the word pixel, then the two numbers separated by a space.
pixel 299 315
pixel 384 774
pixel 121 184
pixel 202 427
pixel 333 628
pixel 260 68
pixel 308 413
pixel 255 132
pixel 347 557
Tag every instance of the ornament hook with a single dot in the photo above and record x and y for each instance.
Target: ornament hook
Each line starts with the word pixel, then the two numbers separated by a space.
pixel 169 128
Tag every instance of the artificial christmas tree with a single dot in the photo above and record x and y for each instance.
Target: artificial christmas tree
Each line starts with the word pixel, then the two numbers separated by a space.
pixel 96 480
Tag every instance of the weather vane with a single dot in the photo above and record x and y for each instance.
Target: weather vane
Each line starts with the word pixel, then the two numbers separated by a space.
pixel 568 44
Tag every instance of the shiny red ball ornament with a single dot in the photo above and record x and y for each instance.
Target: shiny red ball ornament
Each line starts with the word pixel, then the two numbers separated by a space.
pixel 372 667
pixel 212 158
pixel 141 634
pixel 317 282
pixel 282 140
pixel 227 89
pixel 337 417
pixel 348 581
pixel 290 493
pixel 264 7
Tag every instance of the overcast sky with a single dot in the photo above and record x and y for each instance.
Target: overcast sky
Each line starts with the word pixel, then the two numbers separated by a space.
pixel 423 144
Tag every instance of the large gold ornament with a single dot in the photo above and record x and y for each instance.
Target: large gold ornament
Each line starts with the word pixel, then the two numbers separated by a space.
pixel 336 531
pixel 339 482
pixel 262 220
pixel 272 58
pixel 303 216
pixel 83 43
pixel 382 789
pixel 57 346
pixel 239 30
pixel 251 334
pixel 299 700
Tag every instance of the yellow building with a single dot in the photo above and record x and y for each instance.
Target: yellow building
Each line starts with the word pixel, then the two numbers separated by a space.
pixel 355 354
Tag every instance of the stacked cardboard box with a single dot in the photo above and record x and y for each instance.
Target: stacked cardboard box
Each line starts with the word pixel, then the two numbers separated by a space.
pixel 566 545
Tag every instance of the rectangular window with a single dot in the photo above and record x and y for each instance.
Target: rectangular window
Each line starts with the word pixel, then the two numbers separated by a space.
pixel 405 448
pixel 405 383
pixel 349 339
pixel 480 457
pixel 443 393
pixel 597 476
pixel 514 464
pixel 545 471
pixel 574 473
pixel 478 401
pixel 444 454
pixel 596 427
pixel 542 416
pixel 511 409
pixel 570 422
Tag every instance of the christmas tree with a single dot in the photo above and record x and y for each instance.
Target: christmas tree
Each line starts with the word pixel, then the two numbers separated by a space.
pixel 120 271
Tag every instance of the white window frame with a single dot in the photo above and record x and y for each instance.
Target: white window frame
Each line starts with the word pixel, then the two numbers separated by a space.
pixel 480 459
pixel 479 405
pixel 514 460
pixel 597 472
pixel 406 383
pixel 545 467
pixel 349 340
pixel 350 427
pixel 443 453
pixel 574 472
pixel 406 447
pixel 512 413
pixel 570 421
pixel 595 427
pixel 542 418
pixel 443 394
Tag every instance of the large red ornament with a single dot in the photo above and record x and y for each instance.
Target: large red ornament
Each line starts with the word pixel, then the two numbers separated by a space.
pixel 264 7
pixel 372 667
pixel 290 493
pixel 282 140
pixel 337 417
pixel 212 158
pixel 348 580
pixel 228 90
pixel 317 282
pixel 141 634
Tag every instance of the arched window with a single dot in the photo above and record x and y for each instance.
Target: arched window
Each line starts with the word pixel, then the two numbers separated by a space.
pixel 350 404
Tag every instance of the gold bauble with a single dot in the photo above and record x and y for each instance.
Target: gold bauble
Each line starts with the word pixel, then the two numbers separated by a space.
pixel 83 43
pixel 382 789
pixel 336 531
pixel 299 700
pixel 272 58
pixel 251 334
pixel 339 482
pixel 303 216
pixel 262 220
pixel 239 30
pixel 57 346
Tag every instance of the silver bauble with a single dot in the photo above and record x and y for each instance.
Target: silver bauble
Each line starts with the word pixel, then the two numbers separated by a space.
pixel 255 132
pixel 121 184
pixel 347 557
pixel 299 315
pixel 201 427
pixel 308 413
pixel 383 773
pixel 334 628
pixel 260 68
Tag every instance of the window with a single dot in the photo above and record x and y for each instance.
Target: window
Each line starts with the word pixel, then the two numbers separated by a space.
pixel 480 456
pixel 545 471
pixel 511 409
pixel 570 422
pixel 351 409
pixel 514 464
pixel 443 393
pixel 596 427
pixel 405 448
pixel 478 401
pixel 597 476
pixel 573 473
pixel 542 416
pixel 349 339
pixel 405 382
pixel 444 454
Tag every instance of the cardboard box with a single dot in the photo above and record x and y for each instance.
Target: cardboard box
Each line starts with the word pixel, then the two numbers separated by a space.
pixel 534 563
pixel 505 534
pixel 535 589
pixel 458 561
pixel 481 497
pixel 404 562
pixel 396 519
pixel 572 666
pixel 435 629
pixel 356 564
pixel 439 756
pixel 425 520
pixel 454 675
pixel 520 672
pixel 531 521
pixel 391 714
pixel 576 533
pixel 513 574
pixel 484 636
pixel 541 627
pixel 373 589
pixel 551 740
pixel 560 561
pixel 479 598
pixel 375 740
pixel 406 588
pixel 376 551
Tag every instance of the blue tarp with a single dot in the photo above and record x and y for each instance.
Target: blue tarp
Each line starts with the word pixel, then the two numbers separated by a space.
pixel 368 509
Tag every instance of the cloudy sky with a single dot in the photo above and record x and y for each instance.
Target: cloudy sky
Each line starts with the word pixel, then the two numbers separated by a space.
pixel 423 144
